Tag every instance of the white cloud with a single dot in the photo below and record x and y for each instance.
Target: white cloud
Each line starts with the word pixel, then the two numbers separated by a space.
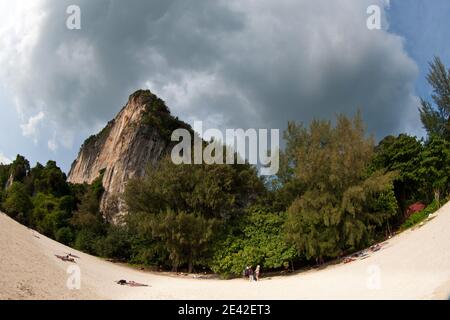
pixel 4 160
pixel 31 128
pixel 52 144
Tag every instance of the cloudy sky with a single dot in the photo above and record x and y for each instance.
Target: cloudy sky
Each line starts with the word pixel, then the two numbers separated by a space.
pixel 230 63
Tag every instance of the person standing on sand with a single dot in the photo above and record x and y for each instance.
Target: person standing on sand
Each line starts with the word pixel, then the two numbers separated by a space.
pixel 257 272
pixel 250 273
pixel 245 273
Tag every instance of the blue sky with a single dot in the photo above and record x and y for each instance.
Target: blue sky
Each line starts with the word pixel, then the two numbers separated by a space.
pixel 425 25
pixel 230 64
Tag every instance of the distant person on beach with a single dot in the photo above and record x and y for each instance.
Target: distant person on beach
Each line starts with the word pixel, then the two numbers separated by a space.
pixel 131 283
pixel 245 273
pixel 250 273
pixel 257 272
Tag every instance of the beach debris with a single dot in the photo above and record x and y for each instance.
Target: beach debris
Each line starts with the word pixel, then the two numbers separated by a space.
pixel 375 247
pixel 348 259
pixel 363 254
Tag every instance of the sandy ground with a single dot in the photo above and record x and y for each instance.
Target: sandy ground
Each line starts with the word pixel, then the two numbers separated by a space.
pixel 412 265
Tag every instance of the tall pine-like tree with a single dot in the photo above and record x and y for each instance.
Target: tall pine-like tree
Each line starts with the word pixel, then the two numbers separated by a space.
pixel 436 117
pixel 434 168
pixel 342 207
pixel 403 155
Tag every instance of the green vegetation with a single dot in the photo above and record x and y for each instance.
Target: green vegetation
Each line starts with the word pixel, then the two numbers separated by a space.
pixel 17 203
pixel 40 198
pixel 434 168
pixel 254 238
pixel 402 155
pixel 341 209
pixel 336 192
pixel 436 117
pixel 420 216
pixel 157 115
pixel 182 207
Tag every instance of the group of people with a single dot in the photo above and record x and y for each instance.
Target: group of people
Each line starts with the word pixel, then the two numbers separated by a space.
pixel 252 275
pixel 67 258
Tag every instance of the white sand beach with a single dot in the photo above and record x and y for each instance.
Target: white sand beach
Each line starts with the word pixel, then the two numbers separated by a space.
pixel 411 265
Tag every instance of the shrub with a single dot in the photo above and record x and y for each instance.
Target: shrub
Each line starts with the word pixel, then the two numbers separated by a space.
pixel 418 217
pixel 64 235
pixel 18 203
pixel 255 240
pixel 116 244
pixel 86 241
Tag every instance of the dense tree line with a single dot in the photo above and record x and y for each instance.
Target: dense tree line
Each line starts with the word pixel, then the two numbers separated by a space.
pixel 336 192
pixel 41 198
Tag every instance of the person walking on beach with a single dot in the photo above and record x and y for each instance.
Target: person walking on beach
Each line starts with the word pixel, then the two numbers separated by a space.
pixel 257 272
pixel 250 273
pixel 245 273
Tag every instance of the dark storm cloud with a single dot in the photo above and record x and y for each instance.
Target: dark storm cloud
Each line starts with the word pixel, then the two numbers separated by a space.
pixel 86 74
pixel 228 63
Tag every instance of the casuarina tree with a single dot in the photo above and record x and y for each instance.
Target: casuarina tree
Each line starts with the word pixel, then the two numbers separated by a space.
pixel 436 117
pixel 343 206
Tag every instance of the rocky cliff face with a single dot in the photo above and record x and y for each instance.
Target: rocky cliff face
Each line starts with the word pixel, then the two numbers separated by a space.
pixel 138 135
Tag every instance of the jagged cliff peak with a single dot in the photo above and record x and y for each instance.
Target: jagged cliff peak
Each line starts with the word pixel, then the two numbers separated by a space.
pixel 138 135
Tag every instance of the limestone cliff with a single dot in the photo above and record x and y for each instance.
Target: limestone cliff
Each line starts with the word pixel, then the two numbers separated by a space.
pixel 138 135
